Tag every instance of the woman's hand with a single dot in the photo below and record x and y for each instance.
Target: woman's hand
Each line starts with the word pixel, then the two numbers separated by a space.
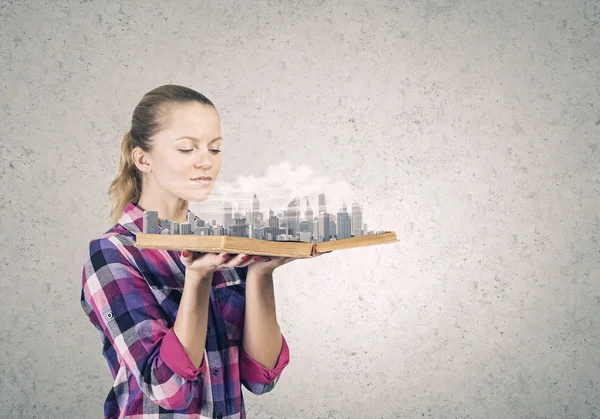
pixel 267 264
pixel 204 264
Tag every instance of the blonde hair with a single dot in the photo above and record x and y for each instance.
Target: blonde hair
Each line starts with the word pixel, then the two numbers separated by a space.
pixel 146 121
pixel 127 185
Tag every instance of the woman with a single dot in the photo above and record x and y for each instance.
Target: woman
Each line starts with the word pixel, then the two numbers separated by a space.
pixel 181 332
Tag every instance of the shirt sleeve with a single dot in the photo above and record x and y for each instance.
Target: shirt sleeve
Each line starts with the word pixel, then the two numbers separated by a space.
pixel 258 379
pixel 120 303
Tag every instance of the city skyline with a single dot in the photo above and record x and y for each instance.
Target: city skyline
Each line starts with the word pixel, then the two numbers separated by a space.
pixel 214 205
pixel 299 221
pixel 292 222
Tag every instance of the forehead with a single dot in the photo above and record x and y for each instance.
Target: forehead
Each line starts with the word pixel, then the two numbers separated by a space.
pixel 191 119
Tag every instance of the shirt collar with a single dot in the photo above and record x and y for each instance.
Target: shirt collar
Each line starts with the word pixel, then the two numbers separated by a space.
pixel 132 218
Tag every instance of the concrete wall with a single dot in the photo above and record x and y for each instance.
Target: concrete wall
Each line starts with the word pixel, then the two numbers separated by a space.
pixel 470 128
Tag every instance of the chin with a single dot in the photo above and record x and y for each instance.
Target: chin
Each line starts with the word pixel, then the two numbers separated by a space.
pixel 195 196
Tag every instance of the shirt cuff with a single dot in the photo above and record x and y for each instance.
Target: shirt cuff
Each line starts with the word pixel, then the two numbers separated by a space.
pixel 254 372
pixel 174 355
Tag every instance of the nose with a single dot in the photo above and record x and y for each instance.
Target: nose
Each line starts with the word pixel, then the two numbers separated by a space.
pixel 204 160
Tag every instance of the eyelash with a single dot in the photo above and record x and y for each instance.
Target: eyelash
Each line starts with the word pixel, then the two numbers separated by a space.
pixel 214 151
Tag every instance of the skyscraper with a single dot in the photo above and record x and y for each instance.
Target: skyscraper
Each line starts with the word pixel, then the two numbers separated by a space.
pixel 255 210
pixel 324 226
pixel 303 226
pixel 273 225
pixel 227 214
pixel 191 218
pixel 344 223
pixel 332 226
pixel 240 228
pixel 150 222
pixel 357 219
pixel 322 204
pixel 293 216
pixel 309 216
pixel 315 230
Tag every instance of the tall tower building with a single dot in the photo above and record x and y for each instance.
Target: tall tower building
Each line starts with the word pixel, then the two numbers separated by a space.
pixel 273 225
pixel 255 211
pixel 309 216
pixel 357 219
pixel 150 222
pixel 293 216
pixel 344 223
pixel 324 226
pixel 227 215
pixel 322 204
pixel 240 228
pixel 332 226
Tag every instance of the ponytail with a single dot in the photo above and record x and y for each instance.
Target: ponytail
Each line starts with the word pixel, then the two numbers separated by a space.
pixel 127 185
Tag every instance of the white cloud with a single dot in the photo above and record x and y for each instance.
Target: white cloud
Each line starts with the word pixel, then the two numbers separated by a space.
pixel 275 189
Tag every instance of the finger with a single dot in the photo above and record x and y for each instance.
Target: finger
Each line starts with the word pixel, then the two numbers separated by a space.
pixel 243 260
pixel 232 261
pixel 216 260
pixel 223 258
pixel 261 258
pixel 186 257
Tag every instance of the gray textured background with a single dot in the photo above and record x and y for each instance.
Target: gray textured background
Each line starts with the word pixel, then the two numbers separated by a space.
pixel 470 128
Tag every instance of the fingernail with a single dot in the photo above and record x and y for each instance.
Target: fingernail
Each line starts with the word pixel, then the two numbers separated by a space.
pixel 225 256
pixel 185 254
pixel 244 257
pixel 256 258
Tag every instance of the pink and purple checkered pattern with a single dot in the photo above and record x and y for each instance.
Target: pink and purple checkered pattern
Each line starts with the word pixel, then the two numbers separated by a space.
pixel 132 296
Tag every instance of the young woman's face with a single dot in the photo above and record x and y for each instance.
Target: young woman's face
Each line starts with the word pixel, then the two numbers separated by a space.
pixel 185 159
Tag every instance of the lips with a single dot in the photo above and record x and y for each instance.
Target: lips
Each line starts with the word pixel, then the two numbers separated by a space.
pixel 202 180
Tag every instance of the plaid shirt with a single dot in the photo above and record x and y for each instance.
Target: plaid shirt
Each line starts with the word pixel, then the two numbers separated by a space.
pixel 132 296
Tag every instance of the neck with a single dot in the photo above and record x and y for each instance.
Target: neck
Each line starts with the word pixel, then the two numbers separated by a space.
pixel 174 209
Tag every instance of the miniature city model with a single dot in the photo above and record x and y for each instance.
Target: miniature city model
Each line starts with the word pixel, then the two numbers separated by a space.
pixel 193 235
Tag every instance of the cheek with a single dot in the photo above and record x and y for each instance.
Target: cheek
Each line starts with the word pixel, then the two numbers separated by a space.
pixel 170 169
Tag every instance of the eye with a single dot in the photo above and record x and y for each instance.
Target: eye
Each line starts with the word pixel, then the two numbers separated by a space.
pixel 186 151
pixel 215 151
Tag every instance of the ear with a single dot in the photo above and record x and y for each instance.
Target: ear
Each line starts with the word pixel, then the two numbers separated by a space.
pixel 141 160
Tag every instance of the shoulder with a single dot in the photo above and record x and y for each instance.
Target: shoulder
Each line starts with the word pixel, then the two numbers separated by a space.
pixel 111 270
pixel 116 245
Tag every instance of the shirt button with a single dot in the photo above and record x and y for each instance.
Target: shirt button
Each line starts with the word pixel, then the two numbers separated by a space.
pixel 216 371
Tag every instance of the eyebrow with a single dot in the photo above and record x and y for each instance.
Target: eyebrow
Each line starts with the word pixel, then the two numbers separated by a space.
pixel 196 139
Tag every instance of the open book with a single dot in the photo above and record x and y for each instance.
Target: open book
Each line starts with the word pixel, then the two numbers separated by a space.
pixel 236 245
